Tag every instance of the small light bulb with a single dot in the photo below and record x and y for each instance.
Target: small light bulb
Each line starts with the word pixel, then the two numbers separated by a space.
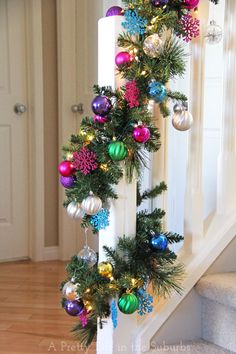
pixel 111 278
pixel 88 290
pixel 143 72
pixel 90 137
pixel 69 156
pixel 135 50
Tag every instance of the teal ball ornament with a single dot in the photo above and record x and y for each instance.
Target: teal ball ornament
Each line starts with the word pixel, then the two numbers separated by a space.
pixel 128 303
pixel 157 91
pixel 159 242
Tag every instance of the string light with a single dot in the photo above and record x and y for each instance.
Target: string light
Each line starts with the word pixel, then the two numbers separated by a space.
pixel 143 72
pixel 104 167
pixel 69 156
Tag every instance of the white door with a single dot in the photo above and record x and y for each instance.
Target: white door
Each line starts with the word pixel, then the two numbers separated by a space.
pixel 14 182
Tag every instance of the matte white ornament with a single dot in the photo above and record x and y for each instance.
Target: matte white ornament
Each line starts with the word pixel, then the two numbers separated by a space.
pixel 92 204
pixel 182 121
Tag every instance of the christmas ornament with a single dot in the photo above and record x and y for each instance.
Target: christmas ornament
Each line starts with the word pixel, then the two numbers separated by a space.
pixel 182 121
pixel 152 45
pixel 190 27
pixel 72 209
pixel 159 242
pixel 134 24
pixel 114 313
pixel 99 119
pixel 145 302
pixel 132 94
pixel 66 168
pixel 101 105
pixel 178 108
pixel 100 220
pixel 117 150
pixel 123 58
pixel 213 33
pixel 191 4
pixel 105 269
pixel 92 204
pixel 67 182
pixel 83 318
pixel 79 213
pixel 141 134
pixel 157 91
pixel 158 3
pixel 74 308
pixel 114 11
pixel 128 303
pixel 88 255
pixel 69 291
pixel 85 160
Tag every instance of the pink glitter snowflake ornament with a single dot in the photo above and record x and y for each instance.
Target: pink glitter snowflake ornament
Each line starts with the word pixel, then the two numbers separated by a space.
pixel 85 160
pixel 190 27
pixel 132 94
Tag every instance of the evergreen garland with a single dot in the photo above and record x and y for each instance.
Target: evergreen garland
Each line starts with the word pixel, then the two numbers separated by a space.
pixel 137 263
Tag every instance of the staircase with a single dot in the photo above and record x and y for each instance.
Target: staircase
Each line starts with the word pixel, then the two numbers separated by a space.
pixel 218 318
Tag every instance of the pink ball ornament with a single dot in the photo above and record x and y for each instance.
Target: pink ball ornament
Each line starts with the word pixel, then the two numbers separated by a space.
pixel 66 168
pixel 123 58
pixel 141 134
pixel 191 4
pixel 114 11
pixel 99 119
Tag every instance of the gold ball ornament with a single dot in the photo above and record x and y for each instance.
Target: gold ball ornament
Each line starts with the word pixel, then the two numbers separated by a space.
pixel 152 45
pixel 105 269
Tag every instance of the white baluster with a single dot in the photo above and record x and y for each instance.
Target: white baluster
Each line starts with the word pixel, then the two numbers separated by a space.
pixel 123 210
pixel 226 191
pixel 194 192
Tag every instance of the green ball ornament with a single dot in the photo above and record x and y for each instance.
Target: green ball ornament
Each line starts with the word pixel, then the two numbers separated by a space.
pixel 128 303
pixel 117 151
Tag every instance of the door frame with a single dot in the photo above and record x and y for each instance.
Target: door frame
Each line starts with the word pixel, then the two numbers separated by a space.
pixel 35 105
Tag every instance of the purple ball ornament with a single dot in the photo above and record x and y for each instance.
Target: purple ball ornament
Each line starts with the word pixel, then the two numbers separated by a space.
pixel 123 58
pixel 159 2
pixel 67 182
pixel 141 133
pixel 191 4
pixel 101 105
pixel 74 308
pixel 114 11
pixel 99 119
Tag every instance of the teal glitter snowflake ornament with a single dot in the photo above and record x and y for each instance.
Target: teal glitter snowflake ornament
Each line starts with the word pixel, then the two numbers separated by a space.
pixel 100 220
pixel 114 313
pixel 134 24
pixel 145 302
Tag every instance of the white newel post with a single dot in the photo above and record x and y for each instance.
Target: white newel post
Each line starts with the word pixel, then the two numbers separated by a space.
pixel 194 191
pixel 123 210
pixel 226 191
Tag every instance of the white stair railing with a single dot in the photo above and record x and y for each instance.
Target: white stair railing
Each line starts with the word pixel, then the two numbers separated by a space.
pixel 194 219
pixel 226 193
pixel 122 210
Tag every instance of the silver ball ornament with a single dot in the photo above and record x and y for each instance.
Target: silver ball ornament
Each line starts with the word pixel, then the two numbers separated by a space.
pixel 92 204
pixel 213 33
pixel 72 209
pixel 79 213
pixel 88 255
pixel 182 121
pixel 152 45
pixel 69 291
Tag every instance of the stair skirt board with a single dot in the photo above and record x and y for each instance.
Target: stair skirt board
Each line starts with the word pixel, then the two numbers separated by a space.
pixel 191 347
pixel 219 324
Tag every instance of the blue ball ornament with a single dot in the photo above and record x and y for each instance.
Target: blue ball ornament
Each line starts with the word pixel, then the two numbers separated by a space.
pixel 159 242
pixel 157 91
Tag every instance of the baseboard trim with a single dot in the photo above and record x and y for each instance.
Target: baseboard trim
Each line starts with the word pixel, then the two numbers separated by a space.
pixel 51 253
